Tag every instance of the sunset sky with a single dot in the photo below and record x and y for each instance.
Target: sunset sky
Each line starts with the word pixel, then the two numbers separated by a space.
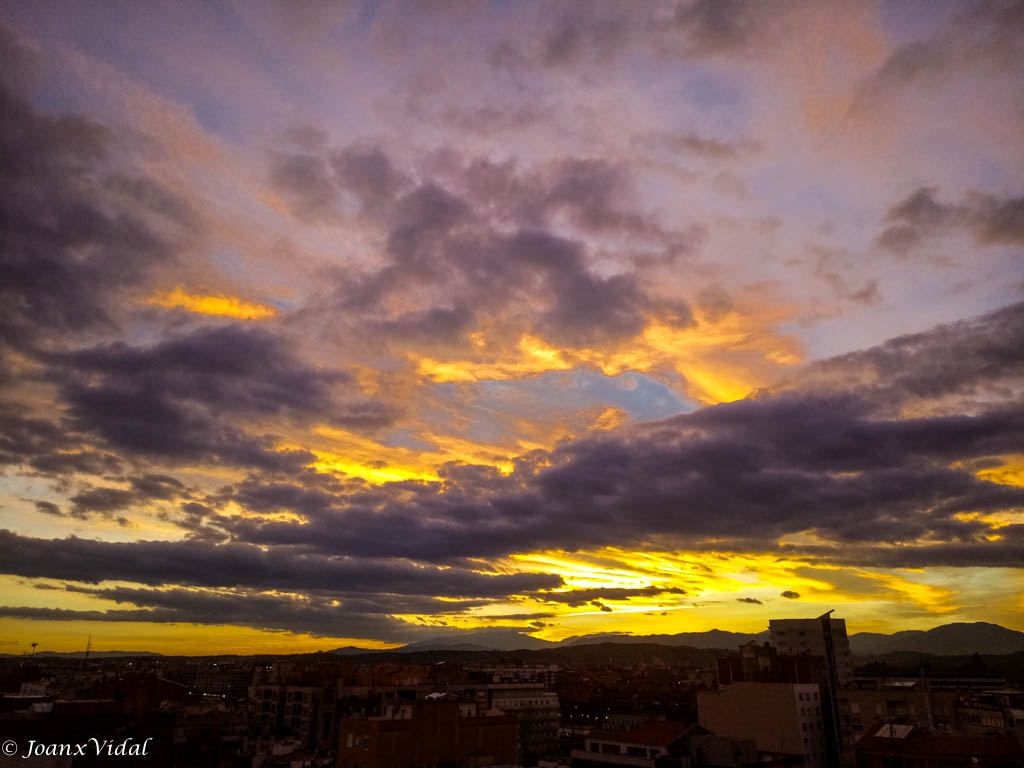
pixel 327 324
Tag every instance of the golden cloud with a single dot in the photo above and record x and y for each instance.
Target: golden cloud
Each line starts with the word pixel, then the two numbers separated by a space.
pixel 218 305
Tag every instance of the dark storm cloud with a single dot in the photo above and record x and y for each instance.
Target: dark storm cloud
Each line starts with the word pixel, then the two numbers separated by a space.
pixel 976 359
pixel 162 487
pixel 49 447
pixel 837 464
pixel 980 35
pixel 742 472
pixel 485 245
pixel 474 241
pixel 594 194
pixel 190 398
pixel 577 597
pixel 581 37
pixel 49 508
pixel 76 232
pixel 103 500
pixel 990 220
pixel 586 35
pixel 584 308
pixel 334 614
pixel 201 564
pixel 435 325
pixel 368 174
pixel 260 604
pixel 22 437
pixel 305 181
pixel 70 462
pixel 315 616
pixel 707 147
pixel 1008 552
pixel 144 489
pixel 715 26
pixel 488 120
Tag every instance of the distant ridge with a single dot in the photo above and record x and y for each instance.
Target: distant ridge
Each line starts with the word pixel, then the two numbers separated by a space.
pixel 713 638
pixel 488 639
pixel 92 654
pixel 353 650
pixel 946 640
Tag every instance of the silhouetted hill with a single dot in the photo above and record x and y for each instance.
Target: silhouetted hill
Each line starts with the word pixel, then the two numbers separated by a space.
pixel 598 654
pixel 714 638
pixel 94 654
pixel 947 640
pixel 488 639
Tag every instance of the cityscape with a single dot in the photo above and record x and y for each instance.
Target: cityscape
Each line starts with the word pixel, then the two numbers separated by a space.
pixel 541 383
pixel 796 695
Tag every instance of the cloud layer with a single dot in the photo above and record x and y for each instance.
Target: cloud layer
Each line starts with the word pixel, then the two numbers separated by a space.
pixel 396 324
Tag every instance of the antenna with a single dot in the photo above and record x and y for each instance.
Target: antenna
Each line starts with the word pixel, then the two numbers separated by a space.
pixel 88 647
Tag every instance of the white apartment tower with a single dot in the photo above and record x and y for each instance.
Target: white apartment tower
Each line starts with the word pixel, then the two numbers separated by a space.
pixel 807 637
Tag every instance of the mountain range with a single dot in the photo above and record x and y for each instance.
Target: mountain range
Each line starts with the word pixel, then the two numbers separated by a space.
pixel 945 640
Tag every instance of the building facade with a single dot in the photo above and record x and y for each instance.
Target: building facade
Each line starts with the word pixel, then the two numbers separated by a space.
pixel 806 637
pixel 438 732
pixel 782 718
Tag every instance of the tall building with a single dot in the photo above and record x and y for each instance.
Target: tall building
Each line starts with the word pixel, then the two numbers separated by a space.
pixel 536 712
pixel 764 664
pixel 808 637
pixel 823 637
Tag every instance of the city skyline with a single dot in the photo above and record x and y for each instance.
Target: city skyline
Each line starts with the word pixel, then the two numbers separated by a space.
pixel 362 324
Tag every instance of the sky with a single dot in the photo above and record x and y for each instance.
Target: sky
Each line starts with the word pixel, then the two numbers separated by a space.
pixel 329 324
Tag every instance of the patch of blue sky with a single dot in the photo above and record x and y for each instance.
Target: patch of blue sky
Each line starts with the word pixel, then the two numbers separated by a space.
pixel 907 21
pixel 913 303
pixel 640 396
pixel 692 98
pixel 100 34
pixel 364 17
pixel 792 195
pixel 712 91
